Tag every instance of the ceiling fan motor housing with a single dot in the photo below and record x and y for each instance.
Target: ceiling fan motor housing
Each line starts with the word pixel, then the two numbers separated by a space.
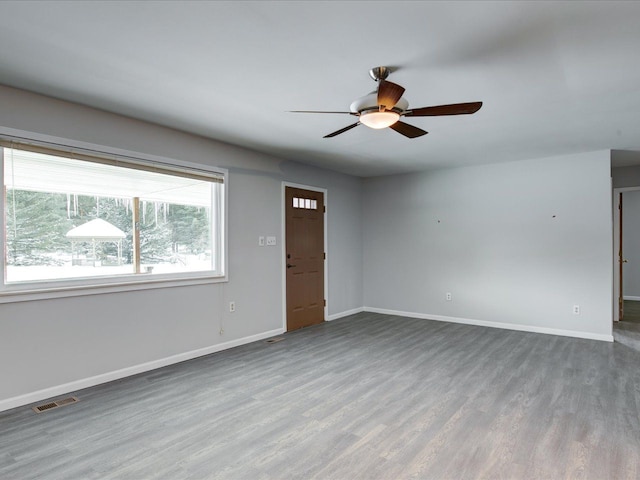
pixel 370 103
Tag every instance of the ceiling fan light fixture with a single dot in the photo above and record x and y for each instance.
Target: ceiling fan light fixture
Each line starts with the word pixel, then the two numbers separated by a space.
pixel 379 119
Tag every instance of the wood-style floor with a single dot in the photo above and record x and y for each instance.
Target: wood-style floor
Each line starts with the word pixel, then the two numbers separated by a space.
pixel 627 331
pixel 631 311
pixel 366 397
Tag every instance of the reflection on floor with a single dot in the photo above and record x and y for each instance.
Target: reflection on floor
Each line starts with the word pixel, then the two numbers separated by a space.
pixel 627 331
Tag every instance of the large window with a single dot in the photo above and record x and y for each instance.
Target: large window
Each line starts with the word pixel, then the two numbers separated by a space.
pixel 72 218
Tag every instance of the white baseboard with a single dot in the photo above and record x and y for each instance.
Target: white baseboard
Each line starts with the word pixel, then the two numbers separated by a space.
pixel 46 393
pixel 505 326
pixel 631 297
pixel 128 371
pixel 346 313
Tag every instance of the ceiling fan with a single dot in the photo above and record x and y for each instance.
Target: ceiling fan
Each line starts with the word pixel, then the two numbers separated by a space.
pixel 384 107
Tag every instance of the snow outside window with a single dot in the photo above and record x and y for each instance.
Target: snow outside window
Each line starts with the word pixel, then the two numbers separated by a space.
pixel 76 219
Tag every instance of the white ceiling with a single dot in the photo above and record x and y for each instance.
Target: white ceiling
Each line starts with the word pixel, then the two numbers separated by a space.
pixel 555 77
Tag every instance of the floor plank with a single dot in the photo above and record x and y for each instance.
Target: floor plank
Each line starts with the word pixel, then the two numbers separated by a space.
pixel 370 396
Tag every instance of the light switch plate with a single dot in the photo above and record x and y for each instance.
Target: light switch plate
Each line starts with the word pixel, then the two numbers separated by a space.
pixel 261 241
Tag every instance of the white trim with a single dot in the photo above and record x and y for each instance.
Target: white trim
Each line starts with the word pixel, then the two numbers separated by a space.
pixel 484 323
pixel 346 313
pixel 631 297
pixel 76 385
pixel 283 245
pixel 81 290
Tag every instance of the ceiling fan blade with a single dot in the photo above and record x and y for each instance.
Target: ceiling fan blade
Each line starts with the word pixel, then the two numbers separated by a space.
pixel 342 130
pixel 389 93
pixel 318 111
pixel 407 130
pixel 453 109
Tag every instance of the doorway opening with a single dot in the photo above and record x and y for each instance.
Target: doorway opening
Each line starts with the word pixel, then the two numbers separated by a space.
pixel 626 235
pixel 626 262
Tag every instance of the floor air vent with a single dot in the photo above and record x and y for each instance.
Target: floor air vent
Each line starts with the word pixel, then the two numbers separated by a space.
pixel 274 340
pixel 56 404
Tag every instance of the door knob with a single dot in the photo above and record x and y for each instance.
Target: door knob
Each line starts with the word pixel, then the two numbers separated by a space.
pixel 625 261
pixel 290 266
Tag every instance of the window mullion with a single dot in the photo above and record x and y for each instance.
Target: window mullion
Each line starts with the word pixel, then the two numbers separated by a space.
pixel 136 235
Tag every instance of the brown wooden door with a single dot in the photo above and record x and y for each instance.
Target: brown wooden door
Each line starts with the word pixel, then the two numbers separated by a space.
pixel 304 211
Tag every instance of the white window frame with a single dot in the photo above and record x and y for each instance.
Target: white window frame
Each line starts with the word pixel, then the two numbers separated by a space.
pixel 26 291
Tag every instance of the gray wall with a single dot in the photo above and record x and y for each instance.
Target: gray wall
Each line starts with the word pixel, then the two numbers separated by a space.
pixel 631 243
pixel 517 243
pixel 626 176
pixel 47 343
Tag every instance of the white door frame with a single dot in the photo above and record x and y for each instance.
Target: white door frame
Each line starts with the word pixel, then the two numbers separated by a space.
pixel 616 248
pixel 283 235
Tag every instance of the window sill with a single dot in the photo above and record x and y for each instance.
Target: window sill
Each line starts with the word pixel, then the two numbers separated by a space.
pixel 34 292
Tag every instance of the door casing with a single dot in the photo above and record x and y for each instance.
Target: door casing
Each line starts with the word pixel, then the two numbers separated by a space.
pixel 283 244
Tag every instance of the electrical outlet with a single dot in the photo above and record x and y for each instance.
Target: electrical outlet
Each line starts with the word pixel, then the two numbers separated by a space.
pixel 222 331
pixel 261 241
pixel 232 306
pixel 271 241
pixel 576 309
pixel 448 296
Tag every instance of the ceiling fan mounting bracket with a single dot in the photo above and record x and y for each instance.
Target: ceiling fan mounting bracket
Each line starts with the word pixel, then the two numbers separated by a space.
pixel 379 73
